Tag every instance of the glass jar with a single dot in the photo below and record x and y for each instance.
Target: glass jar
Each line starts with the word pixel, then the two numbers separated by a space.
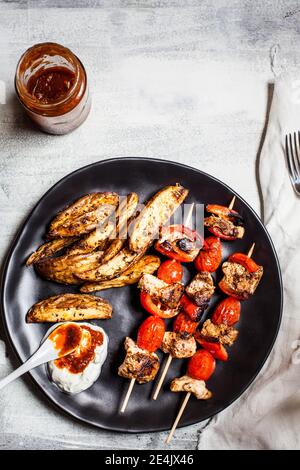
pixel 51 84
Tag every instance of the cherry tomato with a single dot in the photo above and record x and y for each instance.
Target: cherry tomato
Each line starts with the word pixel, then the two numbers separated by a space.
pixel 227 312
pixel 229 291
pixel 201 365
pixel 156 308
pixel 170 271
pixel 222 211
pixel 245 261
pixel 151 333
pixel 179 242
pixel 210 255
pixel 192 310
pixel 183 324
pixel 215 348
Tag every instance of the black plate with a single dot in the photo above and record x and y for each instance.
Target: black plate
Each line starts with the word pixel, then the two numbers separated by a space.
pixel 260 318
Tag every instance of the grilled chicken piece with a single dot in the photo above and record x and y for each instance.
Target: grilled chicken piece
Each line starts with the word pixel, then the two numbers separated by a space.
pixel 69 307
pixel 225 226
pixel 83 215
pixel 139 364
pixel 49 249
pixel 66 269
pixel 187 384
pixel 155 214
pixel 167 294
pixel 179 346
pixel 240 280
pixel 223 333
pixel 201 289
pixel 148 264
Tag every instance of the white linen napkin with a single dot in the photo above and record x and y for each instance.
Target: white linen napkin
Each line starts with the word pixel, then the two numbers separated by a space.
pixel 267 416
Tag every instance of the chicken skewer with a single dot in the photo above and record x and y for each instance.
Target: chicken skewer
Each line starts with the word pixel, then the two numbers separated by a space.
pixel 224 222
pixel 141 363
pixel 177 386
pixel 200 367
pixel 170 357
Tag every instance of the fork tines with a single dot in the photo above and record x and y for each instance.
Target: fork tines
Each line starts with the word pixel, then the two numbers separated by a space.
pixel 292 149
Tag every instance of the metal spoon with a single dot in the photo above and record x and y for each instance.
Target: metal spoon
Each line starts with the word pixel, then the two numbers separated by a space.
pixel 49 350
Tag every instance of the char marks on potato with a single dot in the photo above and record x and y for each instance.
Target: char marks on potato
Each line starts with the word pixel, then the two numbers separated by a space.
pixel 69 307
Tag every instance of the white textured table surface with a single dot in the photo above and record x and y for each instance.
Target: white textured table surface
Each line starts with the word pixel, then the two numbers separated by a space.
pixel 180 80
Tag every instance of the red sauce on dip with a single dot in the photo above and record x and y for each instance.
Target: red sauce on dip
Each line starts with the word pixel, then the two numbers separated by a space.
pixel 78 360
pixel 66 338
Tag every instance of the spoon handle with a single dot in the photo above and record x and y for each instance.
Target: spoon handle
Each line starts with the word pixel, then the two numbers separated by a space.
pixel 39 357
pixel 15 374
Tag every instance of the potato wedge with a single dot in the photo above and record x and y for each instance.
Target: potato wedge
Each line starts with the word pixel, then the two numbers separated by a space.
pixel 125 213
pixel 97 239
pixel 146 265
pixel 155 214
pixel 100 237
pixel 49 249
pixel 69 307
pixel 84 215
pixel 113 249
pixel 114 267
pixel 65 269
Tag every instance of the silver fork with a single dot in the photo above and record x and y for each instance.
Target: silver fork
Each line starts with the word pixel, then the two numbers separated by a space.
pixel 292 150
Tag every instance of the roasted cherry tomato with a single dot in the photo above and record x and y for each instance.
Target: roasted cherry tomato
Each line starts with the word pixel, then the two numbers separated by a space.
pixel 151 333
pixel 245 261
pixel 222 211
pixel 201 365
pixel 190 309
pixel 179 242
pixel 156 308
pixel 215 348
pixel 227 312
pixel 183 324
pixel 170 271
pixel 210 255
pixel 229 291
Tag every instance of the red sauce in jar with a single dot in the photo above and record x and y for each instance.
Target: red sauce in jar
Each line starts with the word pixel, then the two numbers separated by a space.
pixel 51 85
pixel 78 360
pixel 66 338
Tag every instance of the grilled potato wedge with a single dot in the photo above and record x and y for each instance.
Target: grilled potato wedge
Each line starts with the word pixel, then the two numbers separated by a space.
pixel 84 215
pixel 125 213
pixel 114 267
pixel 65 269
pixel 49 249
pixel 156 213
pixel 97 239
pixel 146 265
pixel 113 249
pixel 69 307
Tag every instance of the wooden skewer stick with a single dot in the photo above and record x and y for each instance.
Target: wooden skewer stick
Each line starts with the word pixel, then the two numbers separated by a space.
pixel 232 203
pixel 126 399
pixel 182 408
pixel 189 216
pixel 250 252
pixel 162 377
pixel 187 223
